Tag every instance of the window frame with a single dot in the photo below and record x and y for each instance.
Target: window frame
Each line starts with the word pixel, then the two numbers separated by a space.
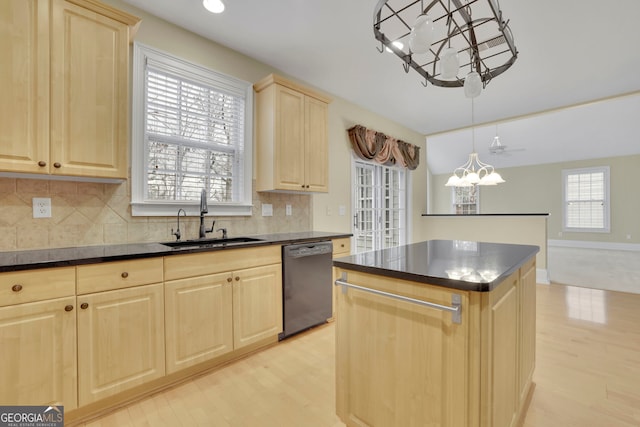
pixel 145 207
pixel 606 201
pixel 454 200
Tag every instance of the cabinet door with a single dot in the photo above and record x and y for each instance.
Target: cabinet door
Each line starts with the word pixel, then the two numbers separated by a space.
pixel 24 85
pixel 38 353
pixel 398 363
pixel 317 150
pixel 289 140
pixel 503 358
pixel 257 304
pixel 89 96
pixel 198 320
pixel 120 340
pixel 527 327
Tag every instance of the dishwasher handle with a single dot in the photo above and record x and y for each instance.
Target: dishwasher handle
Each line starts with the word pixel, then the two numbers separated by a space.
pixel 308 249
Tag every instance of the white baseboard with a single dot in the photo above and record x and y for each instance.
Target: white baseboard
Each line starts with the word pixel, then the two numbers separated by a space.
pixel 542 276
pixel 594 245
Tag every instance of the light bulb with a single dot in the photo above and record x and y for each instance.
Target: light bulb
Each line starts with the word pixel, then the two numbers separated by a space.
pixel 213 6
pixel 472 85
pixel 449 63
pixel 422 35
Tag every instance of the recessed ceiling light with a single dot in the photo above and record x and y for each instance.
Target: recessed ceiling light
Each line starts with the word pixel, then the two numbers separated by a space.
pixel 213 6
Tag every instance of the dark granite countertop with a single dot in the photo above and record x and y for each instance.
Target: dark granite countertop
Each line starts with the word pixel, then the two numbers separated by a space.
pixel 457 264
pixel 61 257
pixel 489 214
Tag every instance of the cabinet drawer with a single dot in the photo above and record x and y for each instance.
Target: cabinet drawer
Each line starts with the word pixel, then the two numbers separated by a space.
pixel 119 274
pixel 199 264
pixel 36 285
pixel 341 247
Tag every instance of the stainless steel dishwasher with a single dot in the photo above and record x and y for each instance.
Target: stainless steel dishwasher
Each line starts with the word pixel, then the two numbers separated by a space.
pixel 306 286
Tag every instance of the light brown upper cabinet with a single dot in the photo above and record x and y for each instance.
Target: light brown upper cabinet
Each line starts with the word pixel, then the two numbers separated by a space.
pixel 64 76
pixel 291 133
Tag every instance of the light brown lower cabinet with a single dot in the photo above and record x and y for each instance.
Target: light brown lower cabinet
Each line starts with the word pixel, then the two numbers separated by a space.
pixel 120 340
pixel 38 353
pixel 401 364
pixel 198 319
pixel 94 336
pixel 257 304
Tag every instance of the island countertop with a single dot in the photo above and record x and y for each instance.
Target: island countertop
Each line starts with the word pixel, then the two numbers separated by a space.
pixel 457 264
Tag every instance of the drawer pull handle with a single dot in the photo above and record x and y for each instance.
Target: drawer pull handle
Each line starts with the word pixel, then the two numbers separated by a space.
pixel 68 308
pixel 42 163
pixel 16 288
pixel 237 278
pixel 124 275
pixel 455 309
pixel 57 165
pixel 84 305
pixel 229 279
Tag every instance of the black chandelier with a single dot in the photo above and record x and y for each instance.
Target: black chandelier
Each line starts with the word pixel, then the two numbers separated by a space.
pixel 441 40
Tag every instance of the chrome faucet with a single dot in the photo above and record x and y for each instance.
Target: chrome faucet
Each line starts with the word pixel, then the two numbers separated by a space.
pixel 177 232
pixel 204 210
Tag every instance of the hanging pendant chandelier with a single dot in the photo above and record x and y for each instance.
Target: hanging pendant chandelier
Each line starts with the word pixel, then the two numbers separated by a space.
pixel 474 172
pixel 437 34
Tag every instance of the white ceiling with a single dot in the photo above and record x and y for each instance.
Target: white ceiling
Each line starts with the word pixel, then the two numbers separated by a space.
pixel 570 52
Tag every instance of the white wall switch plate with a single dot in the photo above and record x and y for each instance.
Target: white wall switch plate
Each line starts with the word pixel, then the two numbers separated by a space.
pixel 267 209
pixel 41 207
pixel 342 210
pixel 288 210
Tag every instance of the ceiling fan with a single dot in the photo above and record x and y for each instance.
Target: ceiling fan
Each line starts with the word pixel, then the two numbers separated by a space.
pixel 497 148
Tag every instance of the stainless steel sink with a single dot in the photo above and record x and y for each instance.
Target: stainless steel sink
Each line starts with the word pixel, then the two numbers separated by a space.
pixel 209 243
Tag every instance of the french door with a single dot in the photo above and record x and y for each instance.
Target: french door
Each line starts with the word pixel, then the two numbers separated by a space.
pixel 379 206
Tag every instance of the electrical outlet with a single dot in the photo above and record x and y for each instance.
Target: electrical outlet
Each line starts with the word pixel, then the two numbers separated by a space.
pixel 267 209
pixel 288 210
pixel 41 207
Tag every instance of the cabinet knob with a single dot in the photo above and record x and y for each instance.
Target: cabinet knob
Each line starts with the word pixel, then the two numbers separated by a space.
pixel 237 278
pixel 124 274
pixel 302 186
pixel 16 288
pixel 68 308
pixel 307 186
pixel 57 165
pixel 42 163
pixel 229 279
pixel 84 305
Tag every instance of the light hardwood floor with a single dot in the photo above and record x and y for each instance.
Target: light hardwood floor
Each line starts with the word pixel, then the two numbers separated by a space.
pixel 587 374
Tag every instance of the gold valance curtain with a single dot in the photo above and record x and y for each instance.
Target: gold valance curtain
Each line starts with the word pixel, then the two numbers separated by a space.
pixel 371 145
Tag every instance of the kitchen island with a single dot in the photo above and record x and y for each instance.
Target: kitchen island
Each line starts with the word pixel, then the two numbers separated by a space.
pixel 437 333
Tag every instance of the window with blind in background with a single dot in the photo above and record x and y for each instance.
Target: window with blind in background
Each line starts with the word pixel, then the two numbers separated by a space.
pixel 193 131
pixel 586 199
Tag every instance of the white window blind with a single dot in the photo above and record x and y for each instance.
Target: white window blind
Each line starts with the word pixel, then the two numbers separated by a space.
pixel 192 131
pixel 194 139
pixel 586 199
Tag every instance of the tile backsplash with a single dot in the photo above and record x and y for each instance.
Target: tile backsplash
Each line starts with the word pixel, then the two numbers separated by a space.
pixel 96 214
